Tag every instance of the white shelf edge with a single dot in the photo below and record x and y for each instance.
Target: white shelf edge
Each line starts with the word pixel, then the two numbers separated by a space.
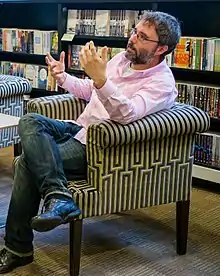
pixel 205 173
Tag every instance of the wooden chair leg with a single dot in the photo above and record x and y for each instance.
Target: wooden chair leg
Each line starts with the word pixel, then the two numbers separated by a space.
pixel 182 222
pixel 17 149
pixel 75 246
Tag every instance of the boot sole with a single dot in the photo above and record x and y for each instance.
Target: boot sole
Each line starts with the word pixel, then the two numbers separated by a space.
pixel 17 264
pixel 47 224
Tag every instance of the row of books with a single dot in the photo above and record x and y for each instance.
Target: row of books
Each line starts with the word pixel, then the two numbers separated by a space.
pixel 28 41
pixel 73 55
pixel 207 150
pixel 192 58
pixel 190 53
pixel 199 53
pixel 204 97
pixel 39 76
pixel 196 53
pixel 102 22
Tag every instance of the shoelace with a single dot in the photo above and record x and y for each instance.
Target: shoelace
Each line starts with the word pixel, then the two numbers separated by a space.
pixel 48 205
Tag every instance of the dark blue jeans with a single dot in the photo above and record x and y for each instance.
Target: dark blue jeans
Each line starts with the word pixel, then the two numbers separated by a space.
pixel 50 156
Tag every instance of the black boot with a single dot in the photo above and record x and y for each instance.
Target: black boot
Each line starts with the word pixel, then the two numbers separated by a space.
pixel 9 261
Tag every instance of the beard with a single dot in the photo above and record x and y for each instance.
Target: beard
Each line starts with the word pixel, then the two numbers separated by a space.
pixel 138 57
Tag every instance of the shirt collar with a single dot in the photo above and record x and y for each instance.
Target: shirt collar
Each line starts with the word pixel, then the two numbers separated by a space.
pixel 146 72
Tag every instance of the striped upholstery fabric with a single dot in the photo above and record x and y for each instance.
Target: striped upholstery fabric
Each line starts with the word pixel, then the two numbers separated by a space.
pixel 12 85
pixel 12 90
pixel 145 163
pixel 63 107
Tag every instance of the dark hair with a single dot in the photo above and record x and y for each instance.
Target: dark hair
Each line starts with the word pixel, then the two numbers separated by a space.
pixel 167 28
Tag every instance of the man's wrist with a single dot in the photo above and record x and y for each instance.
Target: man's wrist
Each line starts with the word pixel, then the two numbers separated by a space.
pixel 99 83
pixel 61 79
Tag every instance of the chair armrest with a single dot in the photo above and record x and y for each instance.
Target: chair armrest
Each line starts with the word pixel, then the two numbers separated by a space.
pixel 145 163
pixel 179 120
pixel 63 107
pixel 12 85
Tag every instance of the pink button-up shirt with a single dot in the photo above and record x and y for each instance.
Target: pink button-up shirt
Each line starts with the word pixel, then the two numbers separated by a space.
pixel 128 94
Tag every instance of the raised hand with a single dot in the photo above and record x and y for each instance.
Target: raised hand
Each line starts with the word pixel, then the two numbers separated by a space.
pixel 57 67
pixel 93 64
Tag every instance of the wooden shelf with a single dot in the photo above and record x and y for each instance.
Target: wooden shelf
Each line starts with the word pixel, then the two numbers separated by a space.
pixel 103 1
pixel 24 58
pixel 191 75
pixel 100 38
pixel 195 71
pixel 215 120
pixel 205 173
pixel 110 41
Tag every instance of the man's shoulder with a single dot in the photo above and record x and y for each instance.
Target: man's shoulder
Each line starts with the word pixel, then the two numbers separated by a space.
pixel 160 78
pixel 162 72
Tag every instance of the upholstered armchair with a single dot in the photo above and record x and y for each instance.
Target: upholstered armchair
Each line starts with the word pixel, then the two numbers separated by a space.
pixel 145 163
pixel 12 90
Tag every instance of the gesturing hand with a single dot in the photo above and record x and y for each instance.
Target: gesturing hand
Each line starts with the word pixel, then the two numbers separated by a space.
pixel 93 64
pixel 57 67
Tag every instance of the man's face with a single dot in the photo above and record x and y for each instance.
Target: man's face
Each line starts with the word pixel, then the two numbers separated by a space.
pixel 142 45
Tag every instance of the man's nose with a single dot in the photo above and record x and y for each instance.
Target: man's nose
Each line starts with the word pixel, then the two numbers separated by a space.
pixel 133 38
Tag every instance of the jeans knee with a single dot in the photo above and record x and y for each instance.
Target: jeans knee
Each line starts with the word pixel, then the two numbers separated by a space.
pixel 17 166
pixel 28 124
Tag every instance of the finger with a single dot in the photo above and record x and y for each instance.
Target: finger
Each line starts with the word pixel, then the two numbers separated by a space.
pixel 57 69
pixel 47 61
pixel 87 45
pixel 55 74
pixel 87 53
pixel 92 48
pixel 104 54
pixel 50 58
pixel 82 59
pixel 52 64
pixel 62 57
pixel 85 48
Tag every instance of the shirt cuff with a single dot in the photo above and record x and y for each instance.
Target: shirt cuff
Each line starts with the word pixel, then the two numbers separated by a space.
pixel 106 91
pixel 67 81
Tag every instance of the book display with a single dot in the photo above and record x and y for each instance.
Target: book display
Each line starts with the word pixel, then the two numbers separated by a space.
pixel 31 42
pixel 24 42
pixel 195 62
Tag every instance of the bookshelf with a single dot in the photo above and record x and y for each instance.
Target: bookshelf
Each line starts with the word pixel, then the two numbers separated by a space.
pixel 183 74
pixel 24 57
pixel 53 15
pixel 206 173
pixel 104 1
pixel 18 55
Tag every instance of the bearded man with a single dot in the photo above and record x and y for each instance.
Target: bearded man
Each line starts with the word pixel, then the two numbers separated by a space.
pixel 132 85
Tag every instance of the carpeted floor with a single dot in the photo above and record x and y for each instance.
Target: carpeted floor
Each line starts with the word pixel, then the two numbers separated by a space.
pixel 139 243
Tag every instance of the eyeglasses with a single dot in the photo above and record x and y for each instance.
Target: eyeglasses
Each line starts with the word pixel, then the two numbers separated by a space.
pixel 142 37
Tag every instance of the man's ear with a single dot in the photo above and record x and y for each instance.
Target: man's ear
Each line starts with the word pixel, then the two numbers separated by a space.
pixel 161 49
